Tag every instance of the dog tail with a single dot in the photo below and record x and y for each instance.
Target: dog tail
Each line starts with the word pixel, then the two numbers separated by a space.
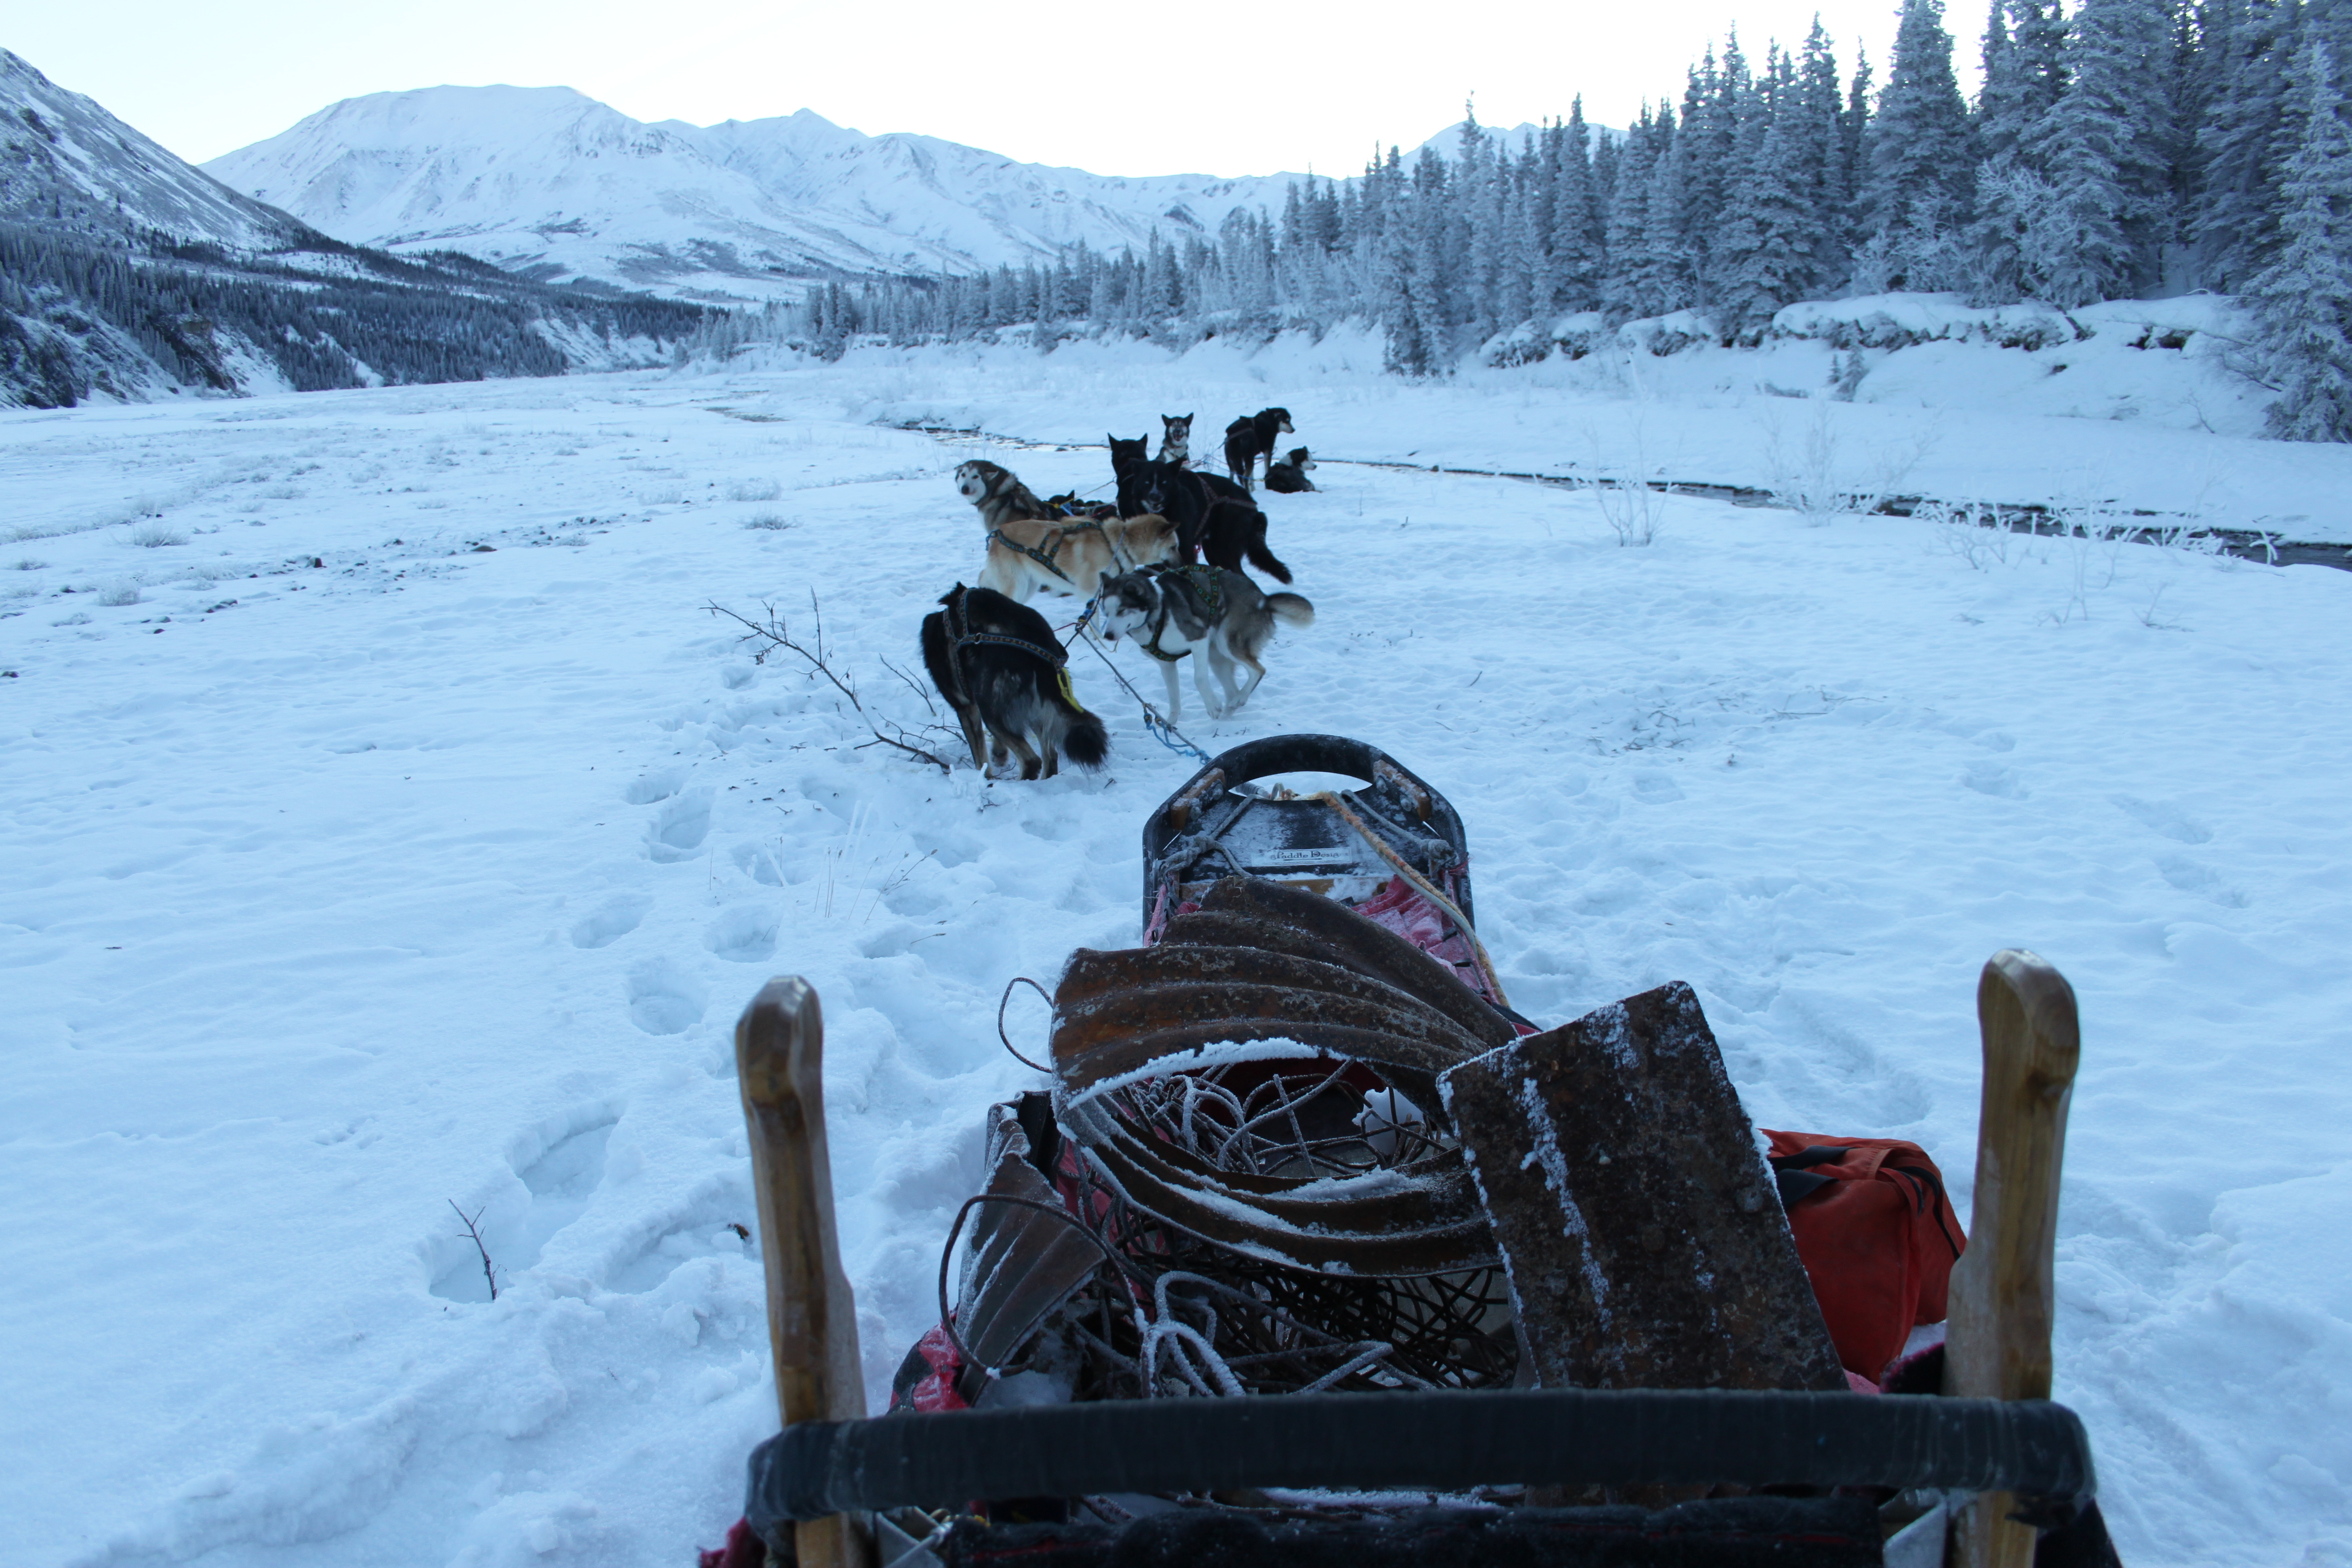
pixel 1085 741
pixel 1263 559
pixel 1290 609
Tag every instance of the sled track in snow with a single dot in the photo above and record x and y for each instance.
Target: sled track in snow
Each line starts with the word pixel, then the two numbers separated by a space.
pixel 2017 517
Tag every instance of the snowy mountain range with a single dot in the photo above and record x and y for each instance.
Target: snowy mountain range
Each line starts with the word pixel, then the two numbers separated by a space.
pixel 127 274
pixel 550 182
pixel 68 166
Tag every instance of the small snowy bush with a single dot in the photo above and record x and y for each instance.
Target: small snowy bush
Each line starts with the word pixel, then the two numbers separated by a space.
pixel 27 564
pixel 754 489
pixel 155 535
pixel 119 594
pixel 768 519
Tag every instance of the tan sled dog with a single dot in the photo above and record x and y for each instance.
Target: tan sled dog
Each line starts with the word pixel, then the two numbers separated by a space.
pixel 1072 555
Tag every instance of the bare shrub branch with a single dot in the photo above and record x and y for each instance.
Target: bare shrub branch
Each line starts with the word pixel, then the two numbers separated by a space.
pixel 474 1232
pixel 775 634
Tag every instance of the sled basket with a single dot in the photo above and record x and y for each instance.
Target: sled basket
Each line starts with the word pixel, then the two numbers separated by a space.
pixel 1315 1253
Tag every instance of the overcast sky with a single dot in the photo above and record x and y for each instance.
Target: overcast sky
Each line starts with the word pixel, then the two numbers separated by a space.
pixel 1132 88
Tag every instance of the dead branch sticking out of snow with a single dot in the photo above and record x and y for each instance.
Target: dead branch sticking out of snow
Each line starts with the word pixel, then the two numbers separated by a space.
pixel 776 634
pixel 474 1233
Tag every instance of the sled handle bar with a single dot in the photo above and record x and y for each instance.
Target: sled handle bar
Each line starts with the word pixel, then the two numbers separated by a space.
pixel 1443 1441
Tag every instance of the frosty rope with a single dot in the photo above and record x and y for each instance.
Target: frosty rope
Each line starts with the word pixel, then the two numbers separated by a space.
pixel 1427 889
pixel 1159 729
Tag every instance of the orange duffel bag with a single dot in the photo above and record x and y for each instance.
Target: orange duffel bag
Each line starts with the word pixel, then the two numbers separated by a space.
pixel 1876 1233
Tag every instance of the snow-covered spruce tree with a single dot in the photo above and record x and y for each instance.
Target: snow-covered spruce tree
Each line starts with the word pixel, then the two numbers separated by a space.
pixel 1708 150
pixel 2024 76
pixel 1762 258
pixel 1518 248
pixel 1540 191
pixel 2303 300
pixel 1918 191
pixel 2103 149
pixel 1578 253
pixel 1824 178
pixel 2246 47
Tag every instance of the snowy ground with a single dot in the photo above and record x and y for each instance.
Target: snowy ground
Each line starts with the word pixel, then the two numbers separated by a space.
pixel 547 827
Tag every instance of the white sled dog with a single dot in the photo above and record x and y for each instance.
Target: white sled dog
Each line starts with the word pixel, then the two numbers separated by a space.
pixel 1175 611
pixel 1072 555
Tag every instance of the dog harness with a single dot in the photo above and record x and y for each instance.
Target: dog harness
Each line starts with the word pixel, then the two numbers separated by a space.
pixel 1043 555
pixel 1205 588
pixel 961 637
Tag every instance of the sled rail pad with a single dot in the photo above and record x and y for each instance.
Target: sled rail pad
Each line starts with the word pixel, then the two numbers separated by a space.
pixel 1448 1441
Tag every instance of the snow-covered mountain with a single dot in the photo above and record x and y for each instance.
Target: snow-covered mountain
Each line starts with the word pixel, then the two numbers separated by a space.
pixel 127 273
pixel 550 182
pixel 66 165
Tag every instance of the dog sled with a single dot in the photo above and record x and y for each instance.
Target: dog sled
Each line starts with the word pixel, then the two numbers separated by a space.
pixel 1314 1251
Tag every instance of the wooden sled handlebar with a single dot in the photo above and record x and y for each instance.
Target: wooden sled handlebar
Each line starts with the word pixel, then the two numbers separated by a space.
pixel 2004 1291
pixel 812 1316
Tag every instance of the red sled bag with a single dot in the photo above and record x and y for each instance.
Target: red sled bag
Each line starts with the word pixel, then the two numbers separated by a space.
pixel 1876 1233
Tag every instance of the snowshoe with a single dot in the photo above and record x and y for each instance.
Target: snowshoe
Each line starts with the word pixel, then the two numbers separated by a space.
pixel 1315 1252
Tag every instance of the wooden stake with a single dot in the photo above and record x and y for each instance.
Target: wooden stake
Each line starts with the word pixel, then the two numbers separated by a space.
pixel 811 1319
pixel 2003 1293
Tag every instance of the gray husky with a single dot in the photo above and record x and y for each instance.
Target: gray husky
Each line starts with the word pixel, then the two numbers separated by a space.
pixel 1175 611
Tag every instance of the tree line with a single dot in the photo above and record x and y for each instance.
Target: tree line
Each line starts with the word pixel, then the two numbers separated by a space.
pixel 80 315
pixel 2121 149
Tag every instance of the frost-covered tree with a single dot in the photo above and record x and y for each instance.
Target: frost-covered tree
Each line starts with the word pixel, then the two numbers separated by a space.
pixel 1821 158
pixel 2103 147
pixel 1764 249
pixel 2012 236
pixel 1622 291
pixel 2234 205
pixel 1579 213
pixel 2303 300
pixel 1918 190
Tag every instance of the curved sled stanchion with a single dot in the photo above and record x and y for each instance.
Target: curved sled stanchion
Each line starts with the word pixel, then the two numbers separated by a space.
pixel 1447 1441
pixel 812 1317
pixel 2003 1293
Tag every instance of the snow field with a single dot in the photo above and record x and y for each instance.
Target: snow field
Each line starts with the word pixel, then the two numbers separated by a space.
pixel 430 875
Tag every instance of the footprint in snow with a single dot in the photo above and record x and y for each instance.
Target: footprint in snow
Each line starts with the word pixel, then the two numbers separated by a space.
pixel 615 918
pixel 2159 816
pixel 746 935
pixel 1991 778
pixel 664 999
pixel 679 828
pixel 559 1174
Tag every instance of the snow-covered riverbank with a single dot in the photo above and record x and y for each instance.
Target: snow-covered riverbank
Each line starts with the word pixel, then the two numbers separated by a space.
pixel 337 893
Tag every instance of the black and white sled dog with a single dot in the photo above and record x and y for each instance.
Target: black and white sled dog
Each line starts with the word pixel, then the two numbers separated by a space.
pixel 1001 497
pixel 1251 438
pixel 997 664
pixel 1289 476
pixel 1176 438
pixel 1174 612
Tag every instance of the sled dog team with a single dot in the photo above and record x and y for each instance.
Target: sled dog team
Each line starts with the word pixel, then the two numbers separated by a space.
pixel 1161 567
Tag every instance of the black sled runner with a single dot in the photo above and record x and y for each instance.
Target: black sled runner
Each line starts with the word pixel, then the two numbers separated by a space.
pixel 1313 1252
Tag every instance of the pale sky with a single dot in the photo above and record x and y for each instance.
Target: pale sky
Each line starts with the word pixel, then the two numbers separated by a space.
pixel 1117 88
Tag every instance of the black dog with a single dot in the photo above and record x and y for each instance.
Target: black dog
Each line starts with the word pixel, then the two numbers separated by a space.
pixel 1125 456
pixel 997 664
pixel 1213 516
pixel 1289 476
pixel 1251 438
